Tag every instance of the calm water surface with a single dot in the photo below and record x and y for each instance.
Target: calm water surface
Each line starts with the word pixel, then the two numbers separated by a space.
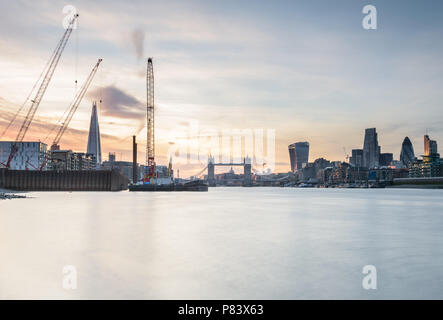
pixel 229 243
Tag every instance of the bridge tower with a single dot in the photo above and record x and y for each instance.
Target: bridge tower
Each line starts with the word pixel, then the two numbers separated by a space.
pixel 211 171
pixel 247 174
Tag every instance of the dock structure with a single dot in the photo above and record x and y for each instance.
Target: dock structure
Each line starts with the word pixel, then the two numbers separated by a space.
pixel 91 180
pixel 418 183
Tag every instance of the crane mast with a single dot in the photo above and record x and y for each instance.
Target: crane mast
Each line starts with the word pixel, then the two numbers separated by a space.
pixel 41 90
pixel 150 145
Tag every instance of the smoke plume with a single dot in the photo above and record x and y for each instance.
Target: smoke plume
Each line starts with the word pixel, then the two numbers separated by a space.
pixel 138 38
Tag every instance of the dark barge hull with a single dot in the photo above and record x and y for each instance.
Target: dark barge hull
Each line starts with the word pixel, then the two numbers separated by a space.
pixel 92 180
pixel 191 186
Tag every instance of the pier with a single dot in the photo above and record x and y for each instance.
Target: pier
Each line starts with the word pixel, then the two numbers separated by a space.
pixel 420 183
pixel 91 180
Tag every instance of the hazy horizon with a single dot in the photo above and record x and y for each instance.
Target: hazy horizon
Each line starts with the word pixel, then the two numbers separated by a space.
pixel 304 68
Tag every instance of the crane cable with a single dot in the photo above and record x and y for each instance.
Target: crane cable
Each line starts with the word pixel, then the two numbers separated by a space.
pixel 76 56
pixel 29 95
pixel 59 121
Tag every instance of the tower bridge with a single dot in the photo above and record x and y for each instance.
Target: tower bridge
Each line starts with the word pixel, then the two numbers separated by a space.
pixel 247 170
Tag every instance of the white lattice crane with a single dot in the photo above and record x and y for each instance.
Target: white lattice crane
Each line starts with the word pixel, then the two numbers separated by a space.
pixel 72 109
pixel 51 66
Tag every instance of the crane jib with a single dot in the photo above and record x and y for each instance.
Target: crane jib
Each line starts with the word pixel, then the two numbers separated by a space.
pixel 76 103
pixel 55 58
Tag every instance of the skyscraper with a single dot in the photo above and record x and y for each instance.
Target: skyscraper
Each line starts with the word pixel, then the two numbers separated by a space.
pixel 298 154
pixel 371 149
pixel 386 159
pixel 430 146
pixel 94 144
pixel 407 152
pixel 431 165
pixel 291 149
pixel 357 158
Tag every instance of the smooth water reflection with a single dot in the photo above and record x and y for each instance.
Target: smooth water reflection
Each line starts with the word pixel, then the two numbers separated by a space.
pixel 229 243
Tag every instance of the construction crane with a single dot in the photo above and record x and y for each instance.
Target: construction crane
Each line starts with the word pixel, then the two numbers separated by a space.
pixel 27 162
pixel 346 154
pixel 55 58
pixel 74 105
pixel 150 144
pixel 72 109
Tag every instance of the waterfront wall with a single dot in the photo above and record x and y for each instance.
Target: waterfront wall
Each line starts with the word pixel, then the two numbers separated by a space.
pixel 91 180
pixel 431 183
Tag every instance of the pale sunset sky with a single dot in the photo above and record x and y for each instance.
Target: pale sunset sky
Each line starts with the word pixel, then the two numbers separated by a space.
pixel 306 69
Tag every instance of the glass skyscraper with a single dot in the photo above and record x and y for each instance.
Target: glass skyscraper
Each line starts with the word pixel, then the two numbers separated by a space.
pixel 357 158
pixel 407 152
pixel 371 149
pixel 298 154
pixel 94 143
pixel 430 146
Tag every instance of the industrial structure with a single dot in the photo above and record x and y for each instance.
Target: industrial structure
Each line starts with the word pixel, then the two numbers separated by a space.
pixel 34 155
pixel 150 143
pixel 30 166
pixel 56 155
pixel 50 68
pixel 134 160
pixel 91 180
pixel 126 168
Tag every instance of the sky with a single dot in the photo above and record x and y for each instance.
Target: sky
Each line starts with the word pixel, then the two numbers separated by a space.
pixel 306 69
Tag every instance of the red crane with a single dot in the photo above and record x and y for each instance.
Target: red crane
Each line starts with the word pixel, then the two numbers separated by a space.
pixel 41 90
pixel 150 144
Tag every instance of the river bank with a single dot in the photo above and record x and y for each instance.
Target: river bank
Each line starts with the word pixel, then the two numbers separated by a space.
pixel 7 194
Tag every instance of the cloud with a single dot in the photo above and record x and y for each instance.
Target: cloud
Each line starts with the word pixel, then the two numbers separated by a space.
pixel 119 104
pixel 138 37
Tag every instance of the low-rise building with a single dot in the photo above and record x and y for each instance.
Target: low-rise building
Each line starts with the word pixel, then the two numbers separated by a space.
pixel 30 155
pixel 125 168
pixel 429 166
pixel 67 160
pixel 386 159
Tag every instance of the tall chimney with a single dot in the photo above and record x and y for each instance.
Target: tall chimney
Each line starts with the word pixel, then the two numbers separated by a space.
pixel 134 161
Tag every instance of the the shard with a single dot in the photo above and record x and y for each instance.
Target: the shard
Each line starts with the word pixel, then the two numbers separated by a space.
pixel 94 144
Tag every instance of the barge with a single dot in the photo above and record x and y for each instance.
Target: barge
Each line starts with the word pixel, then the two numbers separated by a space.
pixel 197 185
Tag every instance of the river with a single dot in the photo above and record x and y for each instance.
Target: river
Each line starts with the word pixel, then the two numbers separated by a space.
pixel 228 243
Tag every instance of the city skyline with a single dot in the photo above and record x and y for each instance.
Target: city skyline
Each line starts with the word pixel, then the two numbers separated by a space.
pixel 302 77
pixel 233 157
